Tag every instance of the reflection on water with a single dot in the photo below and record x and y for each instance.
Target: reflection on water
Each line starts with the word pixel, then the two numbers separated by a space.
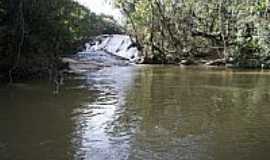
pixel 98 139
pixel 137 113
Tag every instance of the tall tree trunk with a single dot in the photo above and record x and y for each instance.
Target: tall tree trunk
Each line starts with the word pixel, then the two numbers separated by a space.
pixel 20 39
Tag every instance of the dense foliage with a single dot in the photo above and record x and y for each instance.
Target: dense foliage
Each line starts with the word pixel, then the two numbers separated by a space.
pixel 238 30
pixel 33 33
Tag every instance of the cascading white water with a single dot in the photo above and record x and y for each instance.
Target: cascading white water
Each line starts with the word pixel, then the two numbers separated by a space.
pixel 119 45
pixel 105 51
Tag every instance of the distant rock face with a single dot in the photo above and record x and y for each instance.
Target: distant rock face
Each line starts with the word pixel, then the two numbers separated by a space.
pixel 104 51
pixel 118 45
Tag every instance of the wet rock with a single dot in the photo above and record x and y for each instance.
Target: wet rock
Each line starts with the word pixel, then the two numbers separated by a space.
pixel 217 62
pixel 230 60
pixel 68 60
pixel 188 62
pixel 202 61
pixel 92 61
pixel 230 65
pixel 265 64
pixel 170 59
pixel 249 63
pixel 80 66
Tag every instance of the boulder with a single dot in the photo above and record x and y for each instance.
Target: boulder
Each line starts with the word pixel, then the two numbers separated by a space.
pixel 202 61
pixel 250 63
pixel 80 66
pixel 265 64
pixel 170 59
pixel 188 62
pixel 217 62
pixel 69 60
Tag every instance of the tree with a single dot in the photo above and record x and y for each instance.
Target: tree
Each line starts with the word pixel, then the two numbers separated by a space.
pixel 35 33
pixel 199 28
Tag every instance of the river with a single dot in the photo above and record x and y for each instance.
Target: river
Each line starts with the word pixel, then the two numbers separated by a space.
pixel 139 113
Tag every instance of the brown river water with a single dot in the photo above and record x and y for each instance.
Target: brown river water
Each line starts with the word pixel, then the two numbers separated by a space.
pixel 139 113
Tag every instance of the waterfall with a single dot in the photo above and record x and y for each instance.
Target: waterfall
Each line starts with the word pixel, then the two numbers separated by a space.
pixel 116 44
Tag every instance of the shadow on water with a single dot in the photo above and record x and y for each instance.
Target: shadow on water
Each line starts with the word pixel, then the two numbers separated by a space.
pixel 140 112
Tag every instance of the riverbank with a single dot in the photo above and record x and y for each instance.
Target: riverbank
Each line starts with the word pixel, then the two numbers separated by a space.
pixel 126 47
pixel 109 50
pixel 229 63
pixel 85 61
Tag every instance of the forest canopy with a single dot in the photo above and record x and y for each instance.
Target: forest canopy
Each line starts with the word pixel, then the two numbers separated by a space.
pixel 34 33
pixel 238 30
